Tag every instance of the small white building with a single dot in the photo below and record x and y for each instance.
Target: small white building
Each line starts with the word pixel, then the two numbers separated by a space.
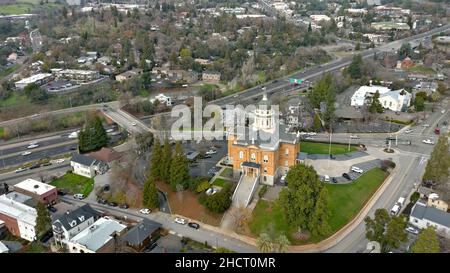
pixel 162 99
pixel 83 165
pixel 319 17
pixel 98 237
pixel 38 79
pixel 423 216
pixel 361 95
pixel 397 101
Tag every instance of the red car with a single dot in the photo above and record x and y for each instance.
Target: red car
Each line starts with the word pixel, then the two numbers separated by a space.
pixel 437 131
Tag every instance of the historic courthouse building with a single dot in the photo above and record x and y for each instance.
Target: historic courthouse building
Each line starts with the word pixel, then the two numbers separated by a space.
pixel 263 151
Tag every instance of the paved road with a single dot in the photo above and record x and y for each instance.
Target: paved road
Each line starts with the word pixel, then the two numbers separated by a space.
pixel 200 235
pixel 46 172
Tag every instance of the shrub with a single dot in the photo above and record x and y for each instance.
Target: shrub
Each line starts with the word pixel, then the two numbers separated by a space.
pixel 218 202
pixel 414 197
pixel 262 191
pixel 203 186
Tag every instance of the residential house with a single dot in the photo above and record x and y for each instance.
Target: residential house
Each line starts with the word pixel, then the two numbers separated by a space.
pixel 142 234
pixel 202 61
pixel 42 192
pixel 100 237
pixel 87 166
pixel 162 99
pixel 12 57
pixel 211 77
pixel 435 202
pixel 66 226
pixel 423 216
pixel 19 219
pixel 405 63
pixel 128 74
pixel 106 155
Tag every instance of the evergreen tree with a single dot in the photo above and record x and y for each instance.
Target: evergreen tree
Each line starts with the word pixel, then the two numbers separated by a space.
pixel 165 162
pixel 179 169
pixel 375 105
pixel 355 67
pixel 319 220
pixel 427 242
pixel 264 243
pixel 150 194
pixel 92 136
pixel 43 220
pixel 395 233
pixel 439 162
pixel 317 124
pixel 155 162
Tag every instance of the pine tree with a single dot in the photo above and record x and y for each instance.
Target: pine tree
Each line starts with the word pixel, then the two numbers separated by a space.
pixel 375 105
pixel 43 220
pixel 439 162
pixel 155 162
pixel 179 169
pixel 150 194
pixel 317 124
pixel 165 162
pixel 319 220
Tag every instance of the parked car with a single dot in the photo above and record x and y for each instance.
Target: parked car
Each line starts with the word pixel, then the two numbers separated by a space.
pixel 145 211
pixel 357 170
pixel 428 141
pixel 78 196
pixel 133 123
pixel 412 230
pixel 408 131
pixel 124 206
pixel 326 178
pixel 346 176
pixel 106 187
pixel 211 152
pixel 283 179
pixel 180 221
pixel 150 247
pixel 52 209
pixel 61 192
pixel 112 204
pixel 426 125
pixel 334 180
pixel 47 236
pixel 194 225
pixel 102 201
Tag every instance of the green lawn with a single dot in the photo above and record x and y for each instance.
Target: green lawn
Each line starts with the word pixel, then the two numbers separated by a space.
pixel 220 182
pixel 323 148
pixel 345 201
pixel 74 183
pixel 421 69
pixel 14 99
pixel 16 9
pixel 227 172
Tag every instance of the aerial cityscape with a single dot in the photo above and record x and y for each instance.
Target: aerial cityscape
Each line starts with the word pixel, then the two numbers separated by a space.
pixel 224 126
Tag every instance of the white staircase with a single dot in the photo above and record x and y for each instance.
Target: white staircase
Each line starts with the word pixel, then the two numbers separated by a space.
pixel 245 190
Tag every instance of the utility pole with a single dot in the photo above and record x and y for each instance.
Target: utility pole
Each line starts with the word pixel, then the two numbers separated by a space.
pixel 349 140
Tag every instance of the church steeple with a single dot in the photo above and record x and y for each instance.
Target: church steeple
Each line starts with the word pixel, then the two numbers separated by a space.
pixel 264 116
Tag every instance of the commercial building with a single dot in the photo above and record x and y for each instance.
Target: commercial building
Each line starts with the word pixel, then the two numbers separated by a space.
pixel 100 237
pixel 361 95
pixel 39 79
pixel 19 219
pixel 211 77
pixel 42 192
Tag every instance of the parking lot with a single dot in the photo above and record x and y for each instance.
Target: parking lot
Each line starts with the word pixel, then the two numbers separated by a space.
pixel 365 166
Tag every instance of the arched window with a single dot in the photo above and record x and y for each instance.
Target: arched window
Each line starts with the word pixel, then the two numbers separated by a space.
pixel 266 158
pixel 253 156
pixel 241 154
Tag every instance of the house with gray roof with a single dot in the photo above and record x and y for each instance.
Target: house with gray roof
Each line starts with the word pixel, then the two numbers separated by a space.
pixel 87 166
pixel 423 216
pixel 73 222
pixel 142 234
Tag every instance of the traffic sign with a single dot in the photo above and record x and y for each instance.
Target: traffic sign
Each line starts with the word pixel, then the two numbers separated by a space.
pixel 295 81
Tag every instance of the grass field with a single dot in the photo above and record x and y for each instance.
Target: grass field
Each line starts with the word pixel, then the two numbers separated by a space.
pixel 323 148
pixel 14 99
pixel 345 201
pixel 220 182
pixel 16 9
pixel 421 69
pixel 74 184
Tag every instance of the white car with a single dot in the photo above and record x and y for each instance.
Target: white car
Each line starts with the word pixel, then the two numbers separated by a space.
pixel 443 111
pixel 32 146
pixel 326 178
pixel 312 133
pixel 25 153
pixel 78 196
pixel 408 131
pixel 356 169
pixel 73 135
pixel 354 137
pixel 283 179
pixel 145 211
pixel 428 141
pixel 134 123
pixel 412 230
pixel 19 170
pixel 211 152
pixel 180 221
pixel 426 125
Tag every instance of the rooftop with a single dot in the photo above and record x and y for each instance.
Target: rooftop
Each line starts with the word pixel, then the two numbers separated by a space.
pixel 141 231
pixel 17 210
pixel 34 186
pixel 73 218
pixel 422 211
pixel 34 78
pixel 22 198
pixel 98 234
pixel 105 155
pixel 83 160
